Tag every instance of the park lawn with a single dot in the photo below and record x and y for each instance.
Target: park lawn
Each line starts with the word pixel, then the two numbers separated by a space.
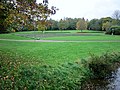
pixel 46 34
pixel 56 53
pixel 85 38
pixel 54 65
pixel 62 36
pixel 70 35
pixel 13 36
pixel 51 65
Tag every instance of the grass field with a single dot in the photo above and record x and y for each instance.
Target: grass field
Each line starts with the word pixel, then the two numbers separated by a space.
pixel 47 34
pixel 44 64
pixel 55 53
pixel 85 38
pixel 64 35
pixel 12 36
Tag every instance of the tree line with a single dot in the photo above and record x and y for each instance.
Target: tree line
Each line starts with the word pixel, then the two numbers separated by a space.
pixel 101 24
pixel 25 15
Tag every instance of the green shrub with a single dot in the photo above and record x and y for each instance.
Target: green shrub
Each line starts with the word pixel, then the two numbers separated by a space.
pixel 17 73
pixel 101 66
pixel 115 30
pixel 108 31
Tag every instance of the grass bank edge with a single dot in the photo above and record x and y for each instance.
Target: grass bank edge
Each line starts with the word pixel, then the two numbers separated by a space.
pixel 15 73
pixel 13 36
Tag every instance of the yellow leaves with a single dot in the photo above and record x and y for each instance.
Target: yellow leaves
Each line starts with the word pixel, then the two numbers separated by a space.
pixel 10 63
pixel 9 20
pixel 81 25
pixel 25 88
pixel 5 78
pixel 12 78
pixel 41 26
pixel 13 30
pixel 1 7
pixel 106 25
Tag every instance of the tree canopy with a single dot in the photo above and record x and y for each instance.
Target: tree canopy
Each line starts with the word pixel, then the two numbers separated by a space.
pixel 81 24
pixel 17 13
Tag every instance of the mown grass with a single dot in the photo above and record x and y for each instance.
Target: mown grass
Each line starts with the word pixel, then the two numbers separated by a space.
pixel 61 31
pixel 58 36
pixel 12 36
pixel 85 38
pixel 70 35
pixel 18 73
pixel 53 65
pixel 47 34
pixel 53 53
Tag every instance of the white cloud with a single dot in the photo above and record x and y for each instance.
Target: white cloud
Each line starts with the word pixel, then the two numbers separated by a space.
pixel 84 8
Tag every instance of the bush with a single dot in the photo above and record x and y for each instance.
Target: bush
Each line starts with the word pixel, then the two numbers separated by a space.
pixel 115 30
pixel 108 31
pixel 18 74
pixel 101 66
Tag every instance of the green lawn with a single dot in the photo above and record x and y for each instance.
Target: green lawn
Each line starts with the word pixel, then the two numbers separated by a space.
pixel 54 35
pixel 48 34
pixel 53 53
pixel 13 36
pixel 52 65
pixel 83 38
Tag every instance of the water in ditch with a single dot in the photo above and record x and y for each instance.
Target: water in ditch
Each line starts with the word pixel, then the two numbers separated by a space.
pixel 111 83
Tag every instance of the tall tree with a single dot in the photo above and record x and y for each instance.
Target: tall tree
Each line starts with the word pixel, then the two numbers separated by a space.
pixel 24 12
pixel 62 25
pixel 52 25
pixel 71 23
pixel 106 26
pixel 106 23
pixel 95 24
pixel 6 7
pixel 116 17
pixel 81 24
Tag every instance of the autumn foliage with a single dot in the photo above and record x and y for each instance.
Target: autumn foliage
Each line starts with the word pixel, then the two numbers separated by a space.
pixel 16 14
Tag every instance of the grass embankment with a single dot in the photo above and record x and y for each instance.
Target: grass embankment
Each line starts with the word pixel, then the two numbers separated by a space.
pixel 12 36
pixel 39 35
pixel 86 38
pixel 50 65
pixel 18 73
pixel 58 53
pixel 68 35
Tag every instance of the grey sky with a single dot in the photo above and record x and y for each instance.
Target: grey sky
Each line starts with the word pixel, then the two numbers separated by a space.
pixel 88 9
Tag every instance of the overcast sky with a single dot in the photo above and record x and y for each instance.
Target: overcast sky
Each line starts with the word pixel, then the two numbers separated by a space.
pixel 88 9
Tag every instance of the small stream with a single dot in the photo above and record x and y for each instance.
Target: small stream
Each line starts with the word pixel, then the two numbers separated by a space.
pixel 111 83
pixel 115 81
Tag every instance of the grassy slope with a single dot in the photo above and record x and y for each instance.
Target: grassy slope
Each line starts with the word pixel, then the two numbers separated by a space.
pixel 12 36
pixel 57 53
pixel 64 35
pixel 75 38
pixel 30 55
